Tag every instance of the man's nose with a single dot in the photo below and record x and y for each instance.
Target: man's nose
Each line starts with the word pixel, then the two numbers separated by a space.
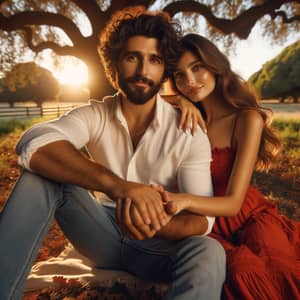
pixel 142 68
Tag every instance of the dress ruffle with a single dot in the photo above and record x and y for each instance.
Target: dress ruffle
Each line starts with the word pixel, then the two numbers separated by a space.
pixel 262 246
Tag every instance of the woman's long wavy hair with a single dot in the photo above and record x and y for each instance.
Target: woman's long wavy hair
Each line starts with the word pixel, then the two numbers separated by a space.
pixel 235 91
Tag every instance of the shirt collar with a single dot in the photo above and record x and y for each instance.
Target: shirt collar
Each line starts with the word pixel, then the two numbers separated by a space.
pixel 157 120
pixel 118 110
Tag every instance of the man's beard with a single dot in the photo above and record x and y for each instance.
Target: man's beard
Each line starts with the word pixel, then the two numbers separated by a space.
pixel 137 95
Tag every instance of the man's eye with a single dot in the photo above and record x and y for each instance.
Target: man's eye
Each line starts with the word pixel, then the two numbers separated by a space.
pixel 130 58
pixel 156 60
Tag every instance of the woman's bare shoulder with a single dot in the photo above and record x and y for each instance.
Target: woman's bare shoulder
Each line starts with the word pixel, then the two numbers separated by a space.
pixel 250 117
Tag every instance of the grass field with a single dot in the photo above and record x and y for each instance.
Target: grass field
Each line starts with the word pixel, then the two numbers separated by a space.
pixel 281 184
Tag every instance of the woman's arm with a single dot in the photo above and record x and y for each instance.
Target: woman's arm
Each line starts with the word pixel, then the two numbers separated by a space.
pixel 247 137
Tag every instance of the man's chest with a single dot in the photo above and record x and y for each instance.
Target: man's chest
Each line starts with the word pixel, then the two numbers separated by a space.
pixel 154 159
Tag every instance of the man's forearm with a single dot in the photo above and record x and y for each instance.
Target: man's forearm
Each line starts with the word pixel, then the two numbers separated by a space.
pixel 62 162
pixel 184 225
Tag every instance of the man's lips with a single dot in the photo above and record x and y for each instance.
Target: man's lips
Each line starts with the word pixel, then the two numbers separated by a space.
pixel 140 83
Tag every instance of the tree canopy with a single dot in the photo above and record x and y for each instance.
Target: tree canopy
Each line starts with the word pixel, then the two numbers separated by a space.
pixel 279 77
pixel 59 25
pixel 29 82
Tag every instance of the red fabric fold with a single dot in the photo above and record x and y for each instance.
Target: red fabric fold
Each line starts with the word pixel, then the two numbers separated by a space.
pixel 262 246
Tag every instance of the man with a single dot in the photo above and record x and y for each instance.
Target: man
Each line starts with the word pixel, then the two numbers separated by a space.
pixel 133 142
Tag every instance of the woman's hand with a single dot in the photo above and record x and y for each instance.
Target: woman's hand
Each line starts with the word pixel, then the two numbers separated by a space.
pixel 190 114
pixel 176 203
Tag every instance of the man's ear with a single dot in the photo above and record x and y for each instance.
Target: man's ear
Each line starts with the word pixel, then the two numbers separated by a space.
pixel 165 79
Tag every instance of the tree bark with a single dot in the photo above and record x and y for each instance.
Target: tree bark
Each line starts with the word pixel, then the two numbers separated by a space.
pixel 98 84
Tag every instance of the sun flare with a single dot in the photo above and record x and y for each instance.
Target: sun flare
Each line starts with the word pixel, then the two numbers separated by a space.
pixel 72 73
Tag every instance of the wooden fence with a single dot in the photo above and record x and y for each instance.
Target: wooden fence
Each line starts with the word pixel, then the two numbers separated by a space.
pixel 34 111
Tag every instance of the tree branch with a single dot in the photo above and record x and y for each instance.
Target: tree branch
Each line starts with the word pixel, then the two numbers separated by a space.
pixel 93 12
pixel 284 17
pixel 117 4
pixel 241 25
pixel 19 20
pixel 60 50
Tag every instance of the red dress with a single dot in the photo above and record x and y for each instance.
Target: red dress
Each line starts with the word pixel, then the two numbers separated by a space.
pixel 262 246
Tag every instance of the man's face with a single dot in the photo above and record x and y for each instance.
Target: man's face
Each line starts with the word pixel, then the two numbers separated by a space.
pixel 140 69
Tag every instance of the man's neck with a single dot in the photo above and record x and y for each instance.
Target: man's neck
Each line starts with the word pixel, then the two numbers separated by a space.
pixel 138 114
pixel 138 117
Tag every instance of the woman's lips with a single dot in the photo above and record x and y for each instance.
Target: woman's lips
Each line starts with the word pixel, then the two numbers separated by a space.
pixel 195 89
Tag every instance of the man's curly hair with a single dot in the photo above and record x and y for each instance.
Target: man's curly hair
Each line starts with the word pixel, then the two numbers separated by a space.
pixel 137 21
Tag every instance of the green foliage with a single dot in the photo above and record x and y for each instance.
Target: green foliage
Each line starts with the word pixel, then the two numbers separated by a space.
pixel 288 129
pixel 279 77
pixel 29 82
pixel 9 126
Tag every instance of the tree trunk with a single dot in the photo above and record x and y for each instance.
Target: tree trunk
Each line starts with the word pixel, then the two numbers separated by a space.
pixel 98 84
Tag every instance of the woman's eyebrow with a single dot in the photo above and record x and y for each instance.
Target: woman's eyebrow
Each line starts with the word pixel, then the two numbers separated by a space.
pixel 189 65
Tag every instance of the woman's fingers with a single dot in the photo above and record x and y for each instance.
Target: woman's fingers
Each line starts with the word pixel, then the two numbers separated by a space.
pixel 182 121
pixel 159 188
pixel 194 124
pixel 190 119
pixel 171 208
pixel 201 122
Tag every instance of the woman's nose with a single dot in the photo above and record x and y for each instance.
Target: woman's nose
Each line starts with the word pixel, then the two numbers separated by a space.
pixel 190 80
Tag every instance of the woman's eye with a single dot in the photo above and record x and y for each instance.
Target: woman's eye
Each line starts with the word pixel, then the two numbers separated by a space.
pixel 197 67
pixel 178 76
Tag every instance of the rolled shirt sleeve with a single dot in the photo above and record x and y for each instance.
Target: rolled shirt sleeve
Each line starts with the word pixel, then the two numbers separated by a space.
pixel 75 127
pixel 194 175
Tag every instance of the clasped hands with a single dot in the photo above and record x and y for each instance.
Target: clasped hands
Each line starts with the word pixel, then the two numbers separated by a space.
pixel 145 210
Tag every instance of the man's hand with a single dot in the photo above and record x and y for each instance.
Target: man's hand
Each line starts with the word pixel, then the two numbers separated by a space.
pixel 131 222
pixel 146 200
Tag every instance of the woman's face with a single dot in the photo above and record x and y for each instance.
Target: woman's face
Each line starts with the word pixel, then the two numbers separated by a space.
pixel 192 79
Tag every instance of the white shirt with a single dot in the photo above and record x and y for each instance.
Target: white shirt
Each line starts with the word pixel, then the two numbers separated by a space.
pixel 165 154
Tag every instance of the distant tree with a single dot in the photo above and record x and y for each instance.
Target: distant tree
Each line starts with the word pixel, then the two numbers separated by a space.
pixel 45 24
pixel 280 77
pixel 29 82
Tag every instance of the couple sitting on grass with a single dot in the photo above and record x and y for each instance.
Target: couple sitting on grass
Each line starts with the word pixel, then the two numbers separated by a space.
pixel 171 202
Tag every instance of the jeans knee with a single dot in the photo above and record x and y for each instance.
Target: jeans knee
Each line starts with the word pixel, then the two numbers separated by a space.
pixel 209 255
pixel 33 186
pixel 216 253
pixel 30 179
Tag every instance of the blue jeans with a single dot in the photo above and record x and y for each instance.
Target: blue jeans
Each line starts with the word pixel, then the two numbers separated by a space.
pixel 194 266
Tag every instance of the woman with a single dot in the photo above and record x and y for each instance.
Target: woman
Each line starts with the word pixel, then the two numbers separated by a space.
pixel 263 247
